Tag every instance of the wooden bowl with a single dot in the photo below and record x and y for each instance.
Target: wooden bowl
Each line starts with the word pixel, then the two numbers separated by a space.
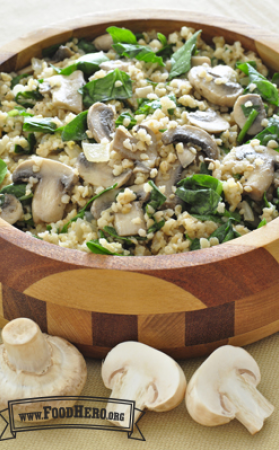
pixel 186 304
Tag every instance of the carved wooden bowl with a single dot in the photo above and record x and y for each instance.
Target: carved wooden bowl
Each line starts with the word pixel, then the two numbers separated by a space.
pixel 186 304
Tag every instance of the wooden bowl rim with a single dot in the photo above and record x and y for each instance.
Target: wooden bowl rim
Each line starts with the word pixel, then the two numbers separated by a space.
pixel 258 238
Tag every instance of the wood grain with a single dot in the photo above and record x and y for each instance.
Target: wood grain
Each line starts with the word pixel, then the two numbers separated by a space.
pixel 186 304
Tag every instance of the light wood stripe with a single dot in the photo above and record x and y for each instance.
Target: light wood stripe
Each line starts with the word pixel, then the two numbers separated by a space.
pixel 113 292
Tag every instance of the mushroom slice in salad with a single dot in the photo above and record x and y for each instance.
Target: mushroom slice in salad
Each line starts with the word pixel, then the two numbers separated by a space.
pixel 129 224
pixel 100 174
pixel 126 145
pixel 62 53
pixel 115 64
pixel 10 208
pixel 103 42
pixel 169 181
pixel 199 60
pixel 54 179
pixel 218 84
pixel 189 134
pixel 100 121
pixel 247 103
pixel 64 90
pixel 208 120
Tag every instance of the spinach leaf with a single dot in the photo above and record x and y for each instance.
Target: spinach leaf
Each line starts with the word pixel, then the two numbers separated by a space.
pixel 140 52
pixel 81 213
pixel 50 51
pixel 275 79
pixel 88 64
pixel 225 232
pixel 76 129
pixel 32 96
pixel 265 201
pixel 17 79
pixel 19 111
pixel 122 35
pixel 18 190
pixel 157 199
pixel 271 132
pixel 148 106
pixel 31 144
pixel 264 87
pixel 95 247
pixel 162 38
pixel 204 170
pixel 156 226
pixel 181 59
pixel 86 46
pixel 112 232
pixel 3 170
pixel 105 89
pixel 122 117
pixel 200 180
pixel 249 122
pixel 248 109
pixel 195 244
pixel 44 125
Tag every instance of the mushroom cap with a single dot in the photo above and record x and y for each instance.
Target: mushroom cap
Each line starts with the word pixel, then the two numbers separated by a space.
pixel 65 376
pixel 196 136
pixel 11 208
pixel 169 180
pixel 100 174
pixel 163 380
pixel 55 179
pixel 198 60
pixel 103 42
pixel 239 115
pixel 208 120
pixel 100 121
pixel 223 92
pixel 124 224
pixel 226 378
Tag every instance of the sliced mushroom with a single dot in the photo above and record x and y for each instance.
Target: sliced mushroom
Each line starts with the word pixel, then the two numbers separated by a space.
pixel 115 64
pixel 100 121
pixel 260 179
pixel 199 60
pixel 222 89
pixel 10 208
pixel 54 180
pixel 100 174
pixel 64 90
pixel 196 136
pixel 208 120
pixel 169 180
pixel 240 118
pixel 118 144
pixel 130 223
pixel 225 388
pixel 62 53
pixel 106 200
pixel 103 42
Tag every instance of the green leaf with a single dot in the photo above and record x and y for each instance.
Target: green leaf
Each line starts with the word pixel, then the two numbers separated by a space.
pixel 88 64
pixel 31 145
pixel 112 232
pixel 19 111
pixel 76 129
pixel 264 87
pixel 81 213
pixel 44 125
pixel 149 106
pixel 3 170
pixel 18 190
pixel 122 35
pixel 271 132
pixel 122 117
pixel 157 199
pixel 204 169
pixel 195 244
pixel 104 89
pixel 17 79
pixel 156 226
pixel 33 96
pixel 225 232
pixel 162 38
pixel 140 52
pixel 181 59
pixel 262 223
pixel 86 46
pixel 95 247
pixel 266 202
pixel 248 109
pixel 200 180
pixel 50 51
pixel 249 122
pixel 275 79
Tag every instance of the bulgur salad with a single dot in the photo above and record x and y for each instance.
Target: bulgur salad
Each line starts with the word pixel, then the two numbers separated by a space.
pixel 140 144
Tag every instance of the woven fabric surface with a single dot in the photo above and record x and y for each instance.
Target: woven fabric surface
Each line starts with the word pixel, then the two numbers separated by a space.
pixel 175 429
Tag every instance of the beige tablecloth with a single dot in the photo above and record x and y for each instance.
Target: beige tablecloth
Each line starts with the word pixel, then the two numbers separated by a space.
pixel 175 429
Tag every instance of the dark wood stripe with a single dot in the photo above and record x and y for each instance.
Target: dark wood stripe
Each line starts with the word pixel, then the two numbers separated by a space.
pixel 111 329
pixel 8 61
pixel 16 304
pixel 209 325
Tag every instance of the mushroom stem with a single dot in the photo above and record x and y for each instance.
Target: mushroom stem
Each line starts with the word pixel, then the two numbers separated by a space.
pixel 26 347
pixel 250 405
